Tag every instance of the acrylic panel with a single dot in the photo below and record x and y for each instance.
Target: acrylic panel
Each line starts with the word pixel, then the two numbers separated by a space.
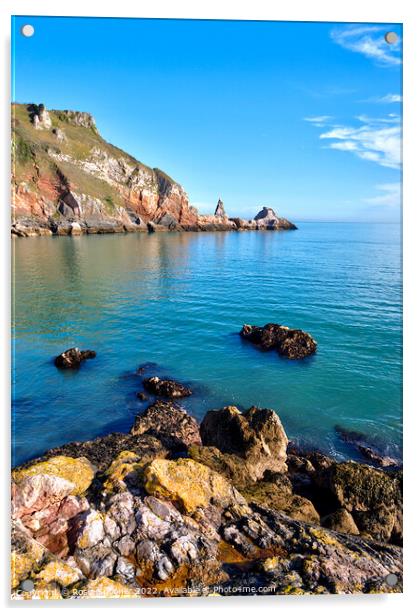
pixel 207 308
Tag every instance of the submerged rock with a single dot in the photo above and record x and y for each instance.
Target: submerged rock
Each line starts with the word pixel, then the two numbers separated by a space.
pixel 291 343
pixel 170 423
pixel 166 388
pixel 257 436
pixel 362 443
pixel 142 396
pixel 72 358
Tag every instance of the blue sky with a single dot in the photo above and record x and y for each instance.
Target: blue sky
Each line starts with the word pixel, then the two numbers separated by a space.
pixel 302 117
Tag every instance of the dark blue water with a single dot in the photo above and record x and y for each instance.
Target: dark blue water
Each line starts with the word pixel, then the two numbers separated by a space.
pixel 180 299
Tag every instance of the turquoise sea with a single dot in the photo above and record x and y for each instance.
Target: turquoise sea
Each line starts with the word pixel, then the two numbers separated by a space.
pixel 179 300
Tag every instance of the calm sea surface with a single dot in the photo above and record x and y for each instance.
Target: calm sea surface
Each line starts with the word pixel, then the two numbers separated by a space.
pixel 180 299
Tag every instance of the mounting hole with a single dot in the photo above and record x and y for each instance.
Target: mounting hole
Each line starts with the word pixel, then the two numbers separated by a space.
pixel 391 579
pixel 27 30
pixel 27 585
pixel 391 38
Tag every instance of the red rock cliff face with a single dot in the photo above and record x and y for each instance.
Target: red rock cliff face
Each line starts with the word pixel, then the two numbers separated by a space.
pixel 65 177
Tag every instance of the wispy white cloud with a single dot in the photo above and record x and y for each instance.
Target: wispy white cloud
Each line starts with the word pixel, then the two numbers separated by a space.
pixel 374 139
pixel 370 42
pixel 388 98
pixel 389 195
pixel 320 120
pixel 390 118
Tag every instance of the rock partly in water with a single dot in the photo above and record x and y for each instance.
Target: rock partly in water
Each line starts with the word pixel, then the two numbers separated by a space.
pixel 362 444
pixel 170 423
pixel 290 343
pixel 166 388
pixel 268 219
pixel 257 436
pixel 72 358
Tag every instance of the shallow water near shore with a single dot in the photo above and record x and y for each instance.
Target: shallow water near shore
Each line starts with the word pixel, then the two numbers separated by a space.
pixel 180 299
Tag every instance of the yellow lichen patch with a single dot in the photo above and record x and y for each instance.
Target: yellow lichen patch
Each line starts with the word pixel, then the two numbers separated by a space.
pixel 45 591
pixel 126 463
pixel 106 588
pixel 270 563
pixel 234 409
pixel 20 566
pixel 187 483
pixel 23 562
pixel 79 471
pixel 60 572
pixel 292 590
pixel 326 538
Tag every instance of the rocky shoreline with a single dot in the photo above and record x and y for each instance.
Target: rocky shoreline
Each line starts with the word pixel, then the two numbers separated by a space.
pixel 67 180
pixel 178 508
pixel 33 227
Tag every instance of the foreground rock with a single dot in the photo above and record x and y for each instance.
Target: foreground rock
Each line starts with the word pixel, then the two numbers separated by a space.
pixel 290 343
pixel 72 358
pixel 46 495
pixel 170 423
pixel 256 436
pixel 103 450
pixel 189 484
pixel 155 512
pixel 372 497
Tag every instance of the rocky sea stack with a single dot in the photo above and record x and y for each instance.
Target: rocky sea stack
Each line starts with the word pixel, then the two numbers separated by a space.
pixel 67 180
pixel 72 358
pixel 290 343
pixel 176 508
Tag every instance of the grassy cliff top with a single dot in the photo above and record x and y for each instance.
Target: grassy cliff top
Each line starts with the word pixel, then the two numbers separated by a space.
pixel 32 149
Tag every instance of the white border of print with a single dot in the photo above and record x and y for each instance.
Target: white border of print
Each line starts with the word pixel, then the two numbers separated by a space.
pixel 300 10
